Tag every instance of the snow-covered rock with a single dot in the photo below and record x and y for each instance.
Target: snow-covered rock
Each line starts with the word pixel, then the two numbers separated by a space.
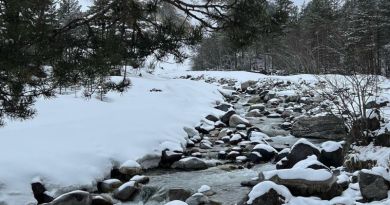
pixel 130 167
pixel 236 120
pixel 190 163
pixel 176 202
pixel 268 192
pixel 126 191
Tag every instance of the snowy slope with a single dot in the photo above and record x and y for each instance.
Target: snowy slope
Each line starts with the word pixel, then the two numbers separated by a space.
pixel 74 142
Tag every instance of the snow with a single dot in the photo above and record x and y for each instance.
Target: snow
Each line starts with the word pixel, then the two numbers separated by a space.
pixel 73 142
pixel 127 184
pixel 176 202
pixel 266 147
pixel 310 160
pixel 204 188
pixel 299 173
pixel 304 141
pixel 130 164
pixel 264 187
pixel 331 146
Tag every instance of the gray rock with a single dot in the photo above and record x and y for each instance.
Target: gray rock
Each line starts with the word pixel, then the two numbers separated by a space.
pixel 101 200
pixel 178 194
pixel 245 85
pixel 109 185
pixel 73 198
pixel 130 168
pixel 198 199
pixel 323 127
pixel 236 120
pixel 255 99
pixel 126 191
pixel 373 187
pixel 190 163
pixel 149 161
pixel 191 132
pixel 383 140
pixel 226 117
pixel 300 151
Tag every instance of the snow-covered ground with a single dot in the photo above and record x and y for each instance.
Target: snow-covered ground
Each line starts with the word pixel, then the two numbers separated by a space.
pixel 73 142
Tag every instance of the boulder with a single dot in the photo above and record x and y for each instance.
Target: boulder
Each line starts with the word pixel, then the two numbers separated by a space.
pixel 176 202
pixel 268 193
pixel 130 168
pixel 299 151
pixel 190 163
pixel 332 154
pixel 255 157
pixel 254 113
pixel 226 117
pixel 324 127
pixel 245 85
pixel 140 179
pixel 223 106
pixel 212 118
pixel 149 161
pixel 260 107
pixel 73 198
pixel 169 157
pixel 101 200
pixel 109 185
pixel 382 140
pixel 39 192
pixel 266 151
pixel 306 182
pixel 236 120
pixel 198 199
pixel 255 99
pixel 126 191
pixel 373 187
pixel 178 194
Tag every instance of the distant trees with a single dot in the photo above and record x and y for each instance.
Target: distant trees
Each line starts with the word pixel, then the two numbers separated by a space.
pixel 324 36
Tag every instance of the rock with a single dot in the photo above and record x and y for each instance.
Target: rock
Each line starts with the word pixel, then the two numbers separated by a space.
pixel 236 120
pixel 109 185
pixel 282 154
pixel 372 186
pixel 373 123
pixel 266 151
pixel 223 106
pixel 306 182
pixel 226 117
pixel 382 140
pixel 39 192
pixel 149 161
pixel 274 115
pixel 130 168
pixel 255 157
pixel 212 118
pixel 232 155
pixel 332 154
pixel 324 127
pixel 126 191
pixel 169 157
pixel 310 162
pixel 299 151
pixel 254 113
pixel 250 183
pixel 241 127
pixel 268 193
pixel 140 179
pixel 176 202
pixel 73 198
pixel 235 139
pixel 178 194
pixel 286 125
pixel 101 200
pixel 260 107
pixel 245 85
pixel 191 132
pixel 190 163
pixel 222 155
pixel 198 199
pixel 255 99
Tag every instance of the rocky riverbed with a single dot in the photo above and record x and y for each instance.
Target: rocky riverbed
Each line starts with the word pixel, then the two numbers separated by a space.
pixel 275 141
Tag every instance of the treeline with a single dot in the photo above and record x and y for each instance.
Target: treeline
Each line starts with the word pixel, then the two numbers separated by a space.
pixel 48 46
pixel 324 36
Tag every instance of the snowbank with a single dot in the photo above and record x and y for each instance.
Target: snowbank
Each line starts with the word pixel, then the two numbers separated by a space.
pixel 73 142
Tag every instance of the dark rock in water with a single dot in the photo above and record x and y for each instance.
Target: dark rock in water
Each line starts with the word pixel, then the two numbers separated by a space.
pixel 226 117
pixel 108 185
pixel 266 151
pixel 323 127
pixel 237 120
pixel 126 191
pixel 282 154
pixel 250 183
pixel 73 198
pixel 39 190
pixel 300 151
pixel 373 187
pixel 223 106
pixel 169 157
pixel 255 157
pixel 332 154
pixel 100 200
pixel 222 155
pixel 178 194
pixel 382 140
pixel 198 199
pixel 212 118
pixel 190 163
